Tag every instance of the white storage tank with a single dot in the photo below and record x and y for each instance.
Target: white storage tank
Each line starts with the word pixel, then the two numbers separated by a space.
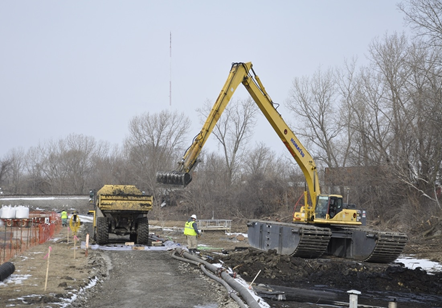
pixel 8 212
pixel 22 212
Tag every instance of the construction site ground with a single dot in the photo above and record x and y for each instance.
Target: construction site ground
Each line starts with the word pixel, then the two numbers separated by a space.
pixel 134 278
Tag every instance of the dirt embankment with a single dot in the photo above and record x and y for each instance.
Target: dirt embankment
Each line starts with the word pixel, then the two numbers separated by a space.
pixel 377 282
pixel 331 272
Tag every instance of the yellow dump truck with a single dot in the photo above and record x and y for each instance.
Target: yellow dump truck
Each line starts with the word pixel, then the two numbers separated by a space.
pixel 121 210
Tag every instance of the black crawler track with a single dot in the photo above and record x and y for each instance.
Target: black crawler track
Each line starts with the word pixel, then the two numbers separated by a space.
pixel 309 241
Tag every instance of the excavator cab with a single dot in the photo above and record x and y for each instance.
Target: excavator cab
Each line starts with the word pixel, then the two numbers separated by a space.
pixel 330 210
pixel 322 206
pixel 335 206
pixel 327 208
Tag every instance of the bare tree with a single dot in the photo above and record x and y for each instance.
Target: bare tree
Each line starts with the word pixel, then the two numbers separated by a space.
pixel 259 160
pixel 5 165
pixel 425 18
pixel 317 101
pixel 394 114
pixel 209 194
pixel 16 170
pixel 155 143
pixel 233 131
pixel 423 90
pixel 109 168
pixel 63 166
pixel 314 100
pixel 35 178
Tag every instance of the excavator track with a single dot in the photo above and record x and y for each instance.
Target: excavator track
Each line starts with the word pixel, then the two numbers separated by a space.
pixel 313 241
pixel 297 240
pixel 389 245
pixel 366 245
pixel 308 241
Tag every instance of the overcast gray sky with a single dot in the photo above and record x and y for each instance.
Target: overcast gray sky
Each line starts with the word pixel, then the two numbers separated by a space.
pixel 88 67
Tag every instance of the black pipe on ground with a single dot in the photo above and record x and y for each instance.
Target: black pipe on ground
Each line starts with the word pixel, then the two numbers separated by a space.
pixel 218 279
pixel 226 285
pixel 6 270
pixel 295 294
pixel 245 294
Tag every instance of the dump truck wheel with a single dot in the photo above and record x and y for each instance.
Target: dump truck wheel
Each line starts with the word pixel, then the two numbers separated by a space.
pixel 102 231
pixel 143 232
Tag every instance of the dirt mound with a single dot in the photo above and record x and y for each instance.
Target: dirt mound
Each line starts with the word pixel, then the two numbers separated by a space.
pixel 330 273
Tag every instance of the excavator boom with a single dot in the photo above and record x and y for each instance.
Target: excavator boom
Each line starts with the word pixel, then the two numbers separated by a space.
pixel 325 226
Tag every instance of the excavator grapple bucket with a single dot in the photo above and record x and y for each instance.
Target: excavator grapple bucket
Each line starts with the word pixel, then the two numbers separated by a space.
pixel 174 178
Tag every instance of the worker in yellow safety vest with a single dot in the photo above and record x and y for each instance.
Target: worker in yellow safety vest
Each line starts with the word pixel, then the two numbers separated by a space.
pixel 74 222
pixel 64 218
pixel 191 232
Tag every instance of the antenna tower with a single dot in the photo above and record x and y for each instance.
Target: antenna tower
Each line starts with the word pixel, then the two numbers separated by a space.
pixel 170 65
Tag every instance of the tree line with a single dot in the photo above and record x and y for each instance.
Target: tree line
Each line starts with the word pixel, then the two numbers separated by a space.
pixel 373 130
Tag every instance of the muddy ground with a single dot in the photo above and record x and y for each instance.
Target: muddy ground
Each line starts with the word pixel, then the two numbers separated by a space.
pixel 378 283
pixel 79 281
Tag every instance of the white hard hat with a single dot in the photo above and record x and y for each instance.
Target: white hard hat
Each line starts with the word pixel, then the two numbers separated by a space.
pixel 193 216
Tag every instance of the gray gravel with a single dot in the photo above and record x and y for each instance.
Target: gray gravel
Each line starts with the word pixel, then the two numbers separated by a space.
pixel 137 278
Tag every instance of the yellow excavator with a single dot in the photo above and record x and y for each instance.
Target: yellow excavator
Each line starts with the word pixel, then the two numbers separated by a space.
pixel 326 225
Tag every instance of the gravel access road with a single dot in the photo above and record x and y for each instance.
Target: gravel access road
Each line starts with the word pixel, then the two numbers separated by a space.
pixel 153 279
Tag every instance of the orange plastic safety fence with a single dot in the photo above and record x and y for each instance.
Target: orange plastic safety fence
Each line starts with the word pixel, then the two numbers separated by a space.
pixel 17 235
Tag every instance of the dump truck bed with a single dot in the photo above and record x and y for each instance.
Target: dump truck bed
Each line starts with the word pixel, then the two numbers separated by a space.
pixel 123 198
pixel 125 203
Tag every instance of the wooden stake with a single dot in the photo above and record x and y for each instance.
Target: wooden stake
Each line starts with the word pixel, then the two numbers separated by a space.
pixel 250 287
pixel 87 244
pixel 75 244
pixel 47 267
pixel 68 233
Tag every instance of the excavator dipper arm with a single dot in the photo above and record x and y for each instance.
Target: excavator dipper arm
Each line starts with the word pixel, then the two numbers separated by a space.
pixel 182 176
